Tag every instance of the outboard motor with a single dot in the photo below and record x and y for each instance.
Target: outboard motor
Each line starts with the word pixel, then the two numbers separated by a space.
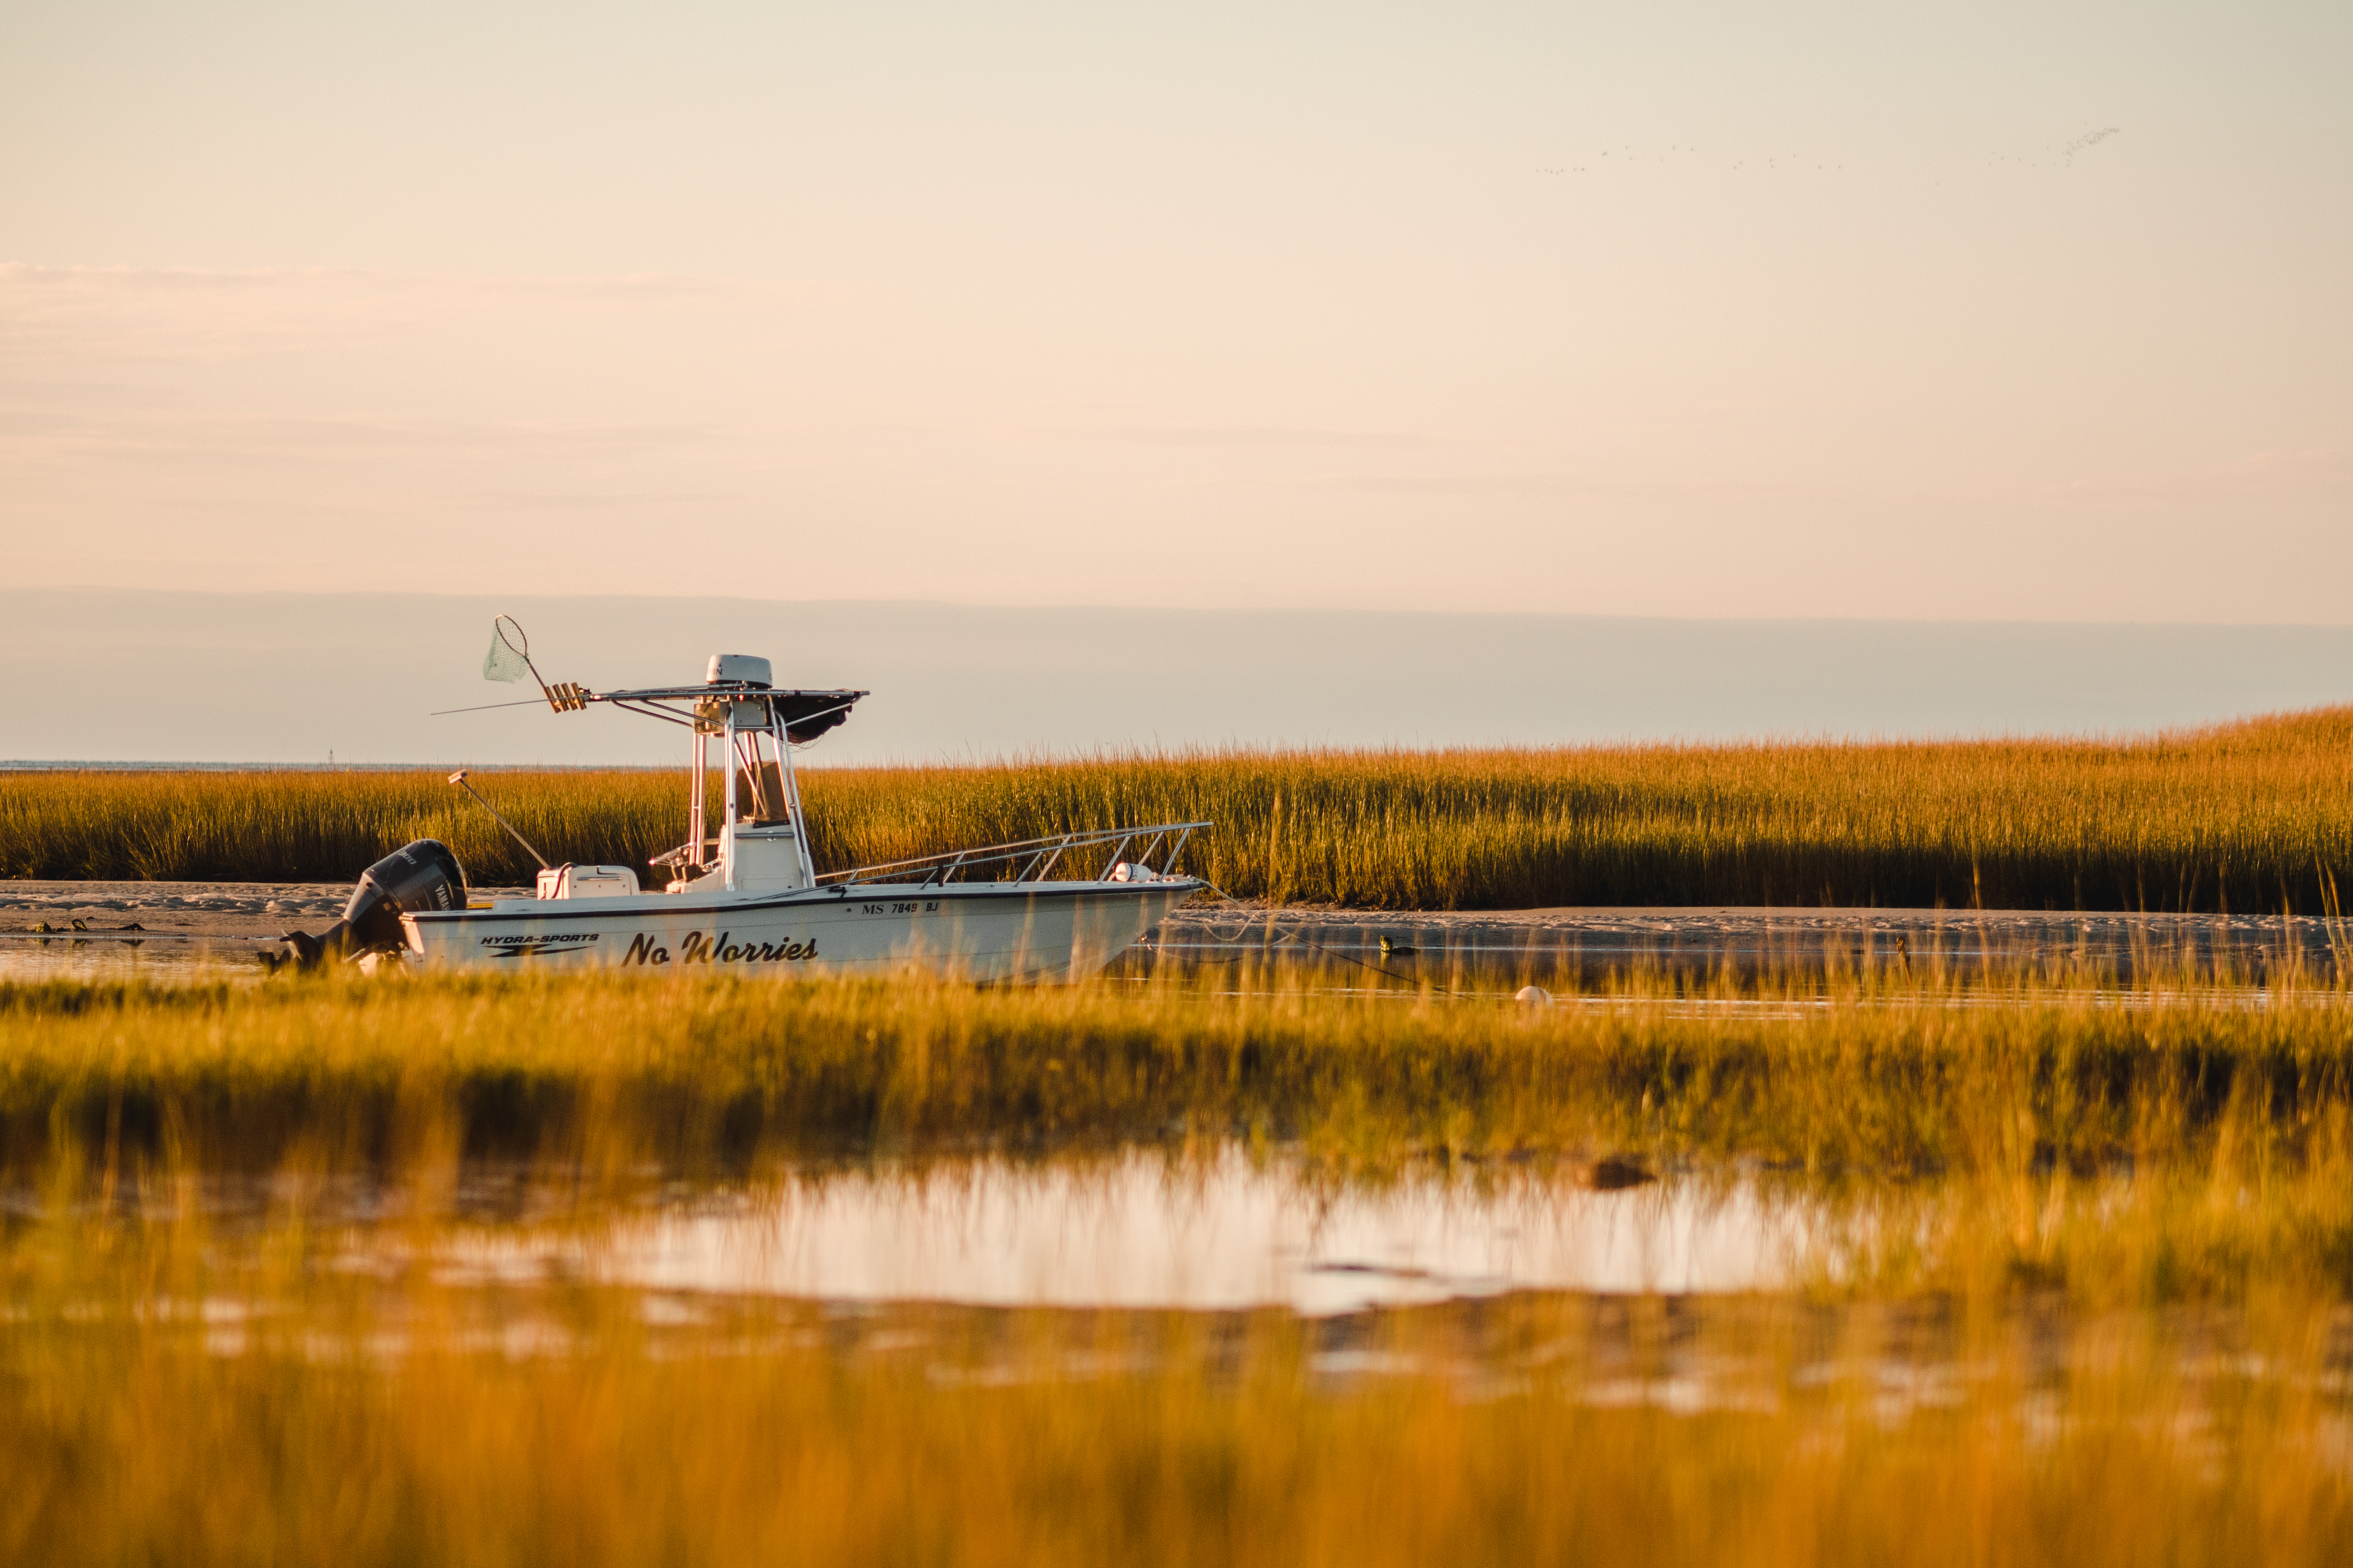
pixel 420 876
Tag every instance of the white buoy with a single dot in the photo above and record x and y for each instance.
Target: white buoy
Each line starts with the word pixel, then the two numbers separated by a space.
pixel 1534 995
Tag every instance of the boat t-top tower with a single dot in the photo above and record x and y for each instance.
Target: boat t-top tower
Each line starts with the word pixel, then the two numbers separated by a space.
pixel 763 842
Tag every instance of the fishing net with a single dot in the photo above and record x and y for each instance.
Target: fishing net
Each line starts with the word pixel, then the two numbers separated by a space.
pixel 510 655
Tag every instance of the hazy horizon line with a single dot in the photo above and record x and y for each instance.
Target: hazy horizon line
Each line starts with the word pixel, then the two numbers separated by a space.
pixel 2168 734
pixel 1185 609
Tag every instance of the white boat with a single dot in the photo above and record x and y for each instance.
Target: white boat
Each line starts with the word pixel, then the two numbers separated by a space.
pixel 748 898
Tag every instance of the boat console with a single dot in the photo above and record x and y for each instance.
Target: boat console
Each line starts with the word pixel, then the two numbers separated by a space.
pixel 587 882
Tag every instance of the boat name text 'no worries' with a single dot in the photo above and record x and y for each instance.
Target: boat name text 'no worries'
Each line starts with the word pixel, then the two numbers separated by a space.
pixel 697 948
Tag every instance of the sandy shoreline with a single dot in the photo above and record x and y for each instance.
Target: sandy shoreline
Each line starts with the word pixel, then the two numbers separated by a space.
pixel 210 911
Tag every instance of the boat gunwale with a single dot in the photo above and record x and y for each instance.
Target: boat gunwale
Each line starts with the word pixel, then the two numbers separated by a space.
pixel 832 896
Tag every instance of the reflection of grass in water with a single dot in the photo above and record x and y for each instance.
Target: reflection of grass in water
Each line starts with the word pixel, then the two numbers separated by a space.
pixel 1981 1147
pixel 2246 817
pixel 165 1397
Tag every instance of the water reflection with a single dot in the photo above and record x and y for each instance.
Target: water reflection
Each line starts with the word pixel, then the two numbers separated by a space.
pixel 164 959
pixel 1579 949
pixel 1142 1229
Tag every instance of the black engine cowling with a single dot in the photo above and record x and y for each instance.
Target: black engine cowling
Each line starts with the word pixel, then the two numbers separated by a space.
pixel 418 877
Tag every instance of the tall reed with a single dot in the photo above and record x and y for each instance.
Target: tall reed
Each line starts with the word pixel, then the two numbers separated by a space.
pixel 2251 817
pixel 164 1400
pixel 1978 1142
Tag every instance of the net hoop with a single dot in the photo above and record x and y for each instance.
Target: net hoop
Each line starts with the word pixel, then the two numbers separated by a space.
pixel 508 659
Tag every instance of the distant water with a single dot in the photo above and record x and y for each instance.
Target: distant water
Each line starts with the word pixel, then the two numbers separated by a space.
pixel 291 678
pixel 248 765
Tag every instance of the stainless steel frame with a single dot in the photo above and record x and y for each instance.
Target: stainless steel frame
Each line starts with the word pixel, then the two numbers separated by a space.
pixel 1039 854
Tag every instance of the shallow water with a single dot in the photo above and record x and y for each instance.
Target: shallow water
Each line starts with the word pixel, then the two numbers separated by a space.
pixel 1136 1228
pixel 215 930
pixel 1584 949
pixel 167 960
pixel 1143 1231
pixel 1674 1294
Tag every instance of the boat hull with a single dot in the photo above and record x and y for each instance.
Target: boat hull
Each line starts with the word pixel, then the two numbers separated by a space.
pixel 977 931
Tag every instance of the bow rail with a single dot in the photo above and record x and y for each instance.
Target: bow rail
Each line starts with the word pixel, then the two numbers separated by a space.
pixel 1039 853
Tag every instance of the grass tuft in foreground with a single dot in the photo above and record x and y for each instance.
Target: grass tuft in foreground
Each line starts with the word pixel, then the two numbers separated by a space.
pixel 157 1405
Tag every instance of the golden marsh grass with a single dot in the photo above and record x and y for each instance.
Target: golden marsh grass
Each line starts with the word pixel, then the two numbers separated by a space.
pixel 2156 1144
pixel 160 1405
pixel 2086 1292
pixel 2251 817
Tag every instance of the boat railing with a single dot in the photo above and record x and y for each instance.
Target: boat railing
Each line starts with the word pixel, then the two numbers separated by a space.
pixel 1035 857
pixel 683 856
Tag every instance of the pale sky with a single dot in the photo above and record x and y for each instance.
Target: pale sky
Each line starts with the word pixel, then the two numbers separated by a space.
pixel 2036 311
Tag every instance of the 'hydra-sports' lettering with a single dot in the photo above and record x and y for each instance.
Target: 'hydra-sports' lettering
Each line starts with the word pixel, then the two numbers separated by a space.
pixel 525 946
